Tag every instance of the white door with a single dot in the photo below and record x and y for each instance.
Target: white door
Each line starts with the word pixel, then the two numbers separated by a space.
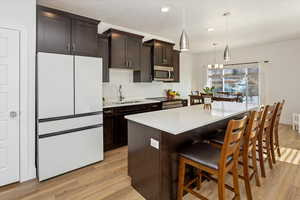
pixel 55 85
pixel 88 84
pixel 9 106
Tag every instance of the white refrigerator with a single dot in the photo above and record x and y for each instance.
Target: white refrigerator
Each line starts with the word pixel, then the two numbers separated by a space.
pixel 69 113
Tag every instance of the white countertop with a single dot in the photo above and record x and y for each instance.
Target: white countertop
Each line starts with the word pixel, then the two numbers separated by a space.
pixel 140 101
pixel 179 120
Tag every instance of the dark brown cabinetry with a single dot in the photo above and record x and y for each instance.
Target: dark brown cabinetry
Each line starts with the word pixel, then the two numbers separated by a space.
pixel 145 72
pixel 115 124
pixel 66 33
pixel 176 64
pixel 103 53
pixel 162 52
pixel 124 49
pixel 84 38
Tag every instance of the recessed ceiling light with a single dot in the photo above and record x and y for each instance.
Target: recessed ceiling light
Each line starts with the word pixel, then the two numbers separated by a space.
pixel 210 29
pixel 165 9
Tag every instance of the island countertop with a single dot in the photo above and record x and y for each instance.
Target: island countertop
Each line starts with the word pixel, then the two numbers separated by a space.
pixel 180 120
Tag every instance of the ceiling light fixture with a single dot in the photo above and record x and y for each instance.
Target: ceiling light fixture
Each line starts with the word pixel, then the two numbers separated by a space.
pixel 227 56
pixel 215 65
pixel 184 39
pixel 165 9
pixel 210 29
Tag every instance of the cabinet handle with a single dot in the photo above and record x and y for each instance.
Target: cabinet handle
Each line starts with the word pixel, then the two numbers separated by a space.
pixel 108 112
pixel 68 47
pixel 129 63
pixel 73 47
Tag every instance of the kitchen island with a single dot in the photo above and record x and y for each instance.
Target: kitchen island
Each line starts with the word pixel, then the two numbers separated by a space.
pixel 154 138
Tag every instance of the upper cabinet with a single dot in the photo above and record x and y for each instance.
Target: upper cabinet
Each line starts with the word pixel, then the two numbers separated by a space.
pixel 66 33
pixel 145 72
pixel 162 52
pixel 103 53
pixel 124 49
pixel 84 38
pixel 176 64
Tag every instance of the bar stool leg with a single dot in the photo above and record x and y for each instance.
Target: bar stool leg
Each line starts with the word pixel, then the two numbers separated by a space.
pixel 247 177
pixel 269 151
pixel 272 147
pixel 236 180
pixel 221 186
pixel 261 158
pixel 254 164
pixel 277 142
pixel 181 175
pixel 199 173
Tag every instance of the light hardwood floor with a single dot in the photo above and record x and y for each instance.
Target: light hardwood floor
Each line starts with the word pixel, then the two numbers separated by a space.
pixel 108 180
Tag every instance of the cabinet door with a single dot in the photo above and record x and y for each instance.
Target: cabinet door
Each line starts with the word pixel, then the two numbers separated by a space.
pixel 168 52
pixel 84 38
pixel 53 32
pixel 88 84
pixel 146 69
pixel 176 65
pixel 108 132
pixel 55 85
pixel 158 55
pixel 117 51
pixel 133 52
pixel 103 53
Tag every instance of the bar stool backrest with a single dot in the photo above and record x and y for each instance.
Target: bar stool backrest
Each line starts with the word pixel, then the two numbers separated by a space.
pixel 276 118
pixel 235 130
pixel 252 129
pixel 267 118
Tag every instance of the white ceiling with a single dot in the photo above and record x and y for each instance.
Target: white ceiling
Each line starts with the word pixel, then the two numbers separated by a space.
pixel 252 22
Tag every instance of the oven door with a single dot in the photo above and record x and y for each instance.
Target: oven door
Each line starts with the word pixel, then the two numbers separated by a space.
pixel 163 73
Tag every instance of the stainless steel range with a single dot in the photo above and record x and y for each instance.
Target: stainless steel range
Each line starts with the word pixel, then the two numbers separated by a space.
pixel 168 104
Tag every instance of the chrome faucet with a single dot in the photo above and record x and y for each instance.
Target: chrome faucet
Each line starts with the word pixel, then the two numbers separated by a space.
pixel 121 97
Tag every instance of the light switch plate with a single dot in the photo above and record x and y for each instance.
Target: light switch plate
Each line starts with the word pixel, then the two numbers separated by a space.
pixel 154 143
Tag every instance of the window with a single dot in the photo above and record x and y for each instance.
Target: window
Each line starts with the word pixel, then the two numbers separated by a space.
pixel 237 79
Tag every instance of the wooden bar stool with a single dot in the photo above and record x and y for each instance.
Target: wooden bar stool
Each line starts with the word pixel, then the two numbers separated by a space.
pixel 274 130
pixel 248 149
pixel 264 139
pixel 215 161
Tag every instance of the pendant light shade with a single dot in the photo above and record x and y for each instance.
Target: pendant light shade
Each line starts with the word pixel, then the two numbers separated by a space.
pixel 227 54
pixel 184 41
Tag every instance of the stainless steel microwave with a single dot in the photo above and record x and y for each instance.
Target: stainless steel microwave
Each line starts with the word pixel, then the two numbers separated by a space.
pixel 162 73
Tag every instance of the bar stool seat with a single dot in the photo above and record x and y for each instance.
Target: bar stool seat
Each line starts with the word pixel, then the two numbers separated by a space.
pixel 204 154
pixel 218 139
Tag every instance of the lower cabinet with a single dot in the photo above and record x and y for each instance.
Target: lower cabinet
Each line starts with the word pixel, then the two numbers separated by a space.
pixel 115 124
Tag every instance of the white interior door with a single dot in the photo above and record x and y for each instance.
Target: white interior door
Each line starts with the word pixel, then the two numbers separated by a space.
pixel 9 106
pixel 88 84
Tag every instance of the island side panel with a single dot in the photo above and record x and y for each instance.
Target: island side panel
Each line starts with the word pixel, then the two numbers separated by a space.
pixel 144 160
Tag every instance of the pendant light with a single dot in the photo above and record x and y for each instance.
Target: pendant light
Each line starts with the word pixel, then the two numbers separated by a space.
pixel 227 55
pixel 184 39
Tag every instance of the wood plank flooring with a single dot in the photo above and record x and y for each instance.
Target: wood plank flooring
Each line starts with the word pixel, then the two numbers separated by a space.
pixel 108 180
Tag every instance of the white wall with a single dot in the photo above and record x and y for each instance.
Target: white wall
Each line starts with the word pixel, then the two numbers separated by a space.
pixel 21 15
pixel 280 78
pixel 143 90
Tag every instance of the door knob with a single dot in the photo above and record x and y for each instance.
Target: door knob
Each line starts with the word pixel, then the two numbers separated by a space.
pixel 13 114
